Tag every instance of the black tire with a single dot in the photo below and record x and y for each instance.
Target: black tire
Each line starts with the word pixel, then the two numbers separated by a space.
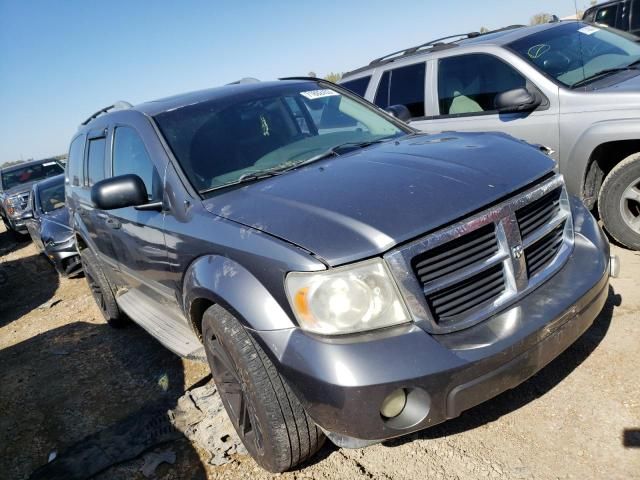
pixel 617 211
pixel 268 417
pixel 101 290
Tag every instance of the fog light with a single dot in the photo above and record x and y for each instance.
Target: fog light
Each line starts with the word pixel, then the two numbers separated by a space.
pixel 393 405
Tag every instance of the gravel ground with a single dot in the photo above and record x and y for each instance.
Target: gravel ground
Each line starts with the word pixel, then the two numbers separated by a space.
pixel 66 375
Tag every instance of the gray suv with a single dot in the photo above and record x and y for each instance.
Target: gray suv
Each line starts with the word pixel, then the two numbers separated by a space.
pixel 571 86
pixel 342 274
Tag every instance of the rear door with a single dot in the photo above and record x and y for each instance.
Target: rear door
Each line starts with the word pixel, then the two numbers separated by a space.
pixel 466 87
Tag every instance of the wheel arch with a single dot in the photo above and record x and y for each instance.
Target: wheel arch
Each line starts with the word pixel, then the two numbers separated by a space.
pixel 214 279
pixel 600 148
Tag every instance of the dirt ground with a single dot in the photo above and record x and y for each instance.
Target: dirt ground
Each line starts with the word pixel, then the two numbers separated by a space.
pixel 66 375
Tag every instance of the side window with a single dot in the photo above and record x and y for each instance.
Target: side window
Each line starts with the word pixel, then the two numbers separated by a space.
pixel 75 174
pixel 589 15
pixel 95 160
pixel 130 156
pixel 634 23
pixel 469 83
pixel 607 15
pixel 357 86
pixel 403 86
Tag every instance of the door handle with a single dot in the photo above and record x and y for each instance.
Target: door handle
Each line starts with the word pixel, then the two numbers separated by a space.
pixel 112 223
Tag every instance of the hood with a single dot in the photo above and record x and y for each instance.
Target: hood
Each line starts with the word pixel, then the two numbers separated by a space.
pixel 59 217
pixel 623 82
pixel 55 226
pixel 363 203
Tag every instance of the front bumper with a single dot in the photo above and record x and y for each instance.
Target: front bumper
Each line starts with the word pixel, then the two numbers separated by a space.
pixel 65 259
pixel 342 382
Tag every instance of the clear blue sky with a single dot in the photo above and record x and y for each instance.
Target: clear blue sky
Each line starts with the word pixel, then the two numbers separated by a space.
pixel 62 60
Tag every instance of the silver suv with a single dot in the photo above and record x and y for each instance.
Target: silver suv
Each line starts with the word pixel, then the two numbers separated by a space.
pixel 571 86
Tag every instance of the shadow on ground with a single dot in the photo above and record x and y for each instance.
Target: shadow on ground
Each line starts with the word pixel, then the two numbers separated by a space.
pixel 94 395
pixel 25 283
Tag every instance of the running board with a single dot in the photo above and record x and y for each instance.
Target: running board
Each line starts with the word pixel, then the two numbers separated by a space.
pixel 170 331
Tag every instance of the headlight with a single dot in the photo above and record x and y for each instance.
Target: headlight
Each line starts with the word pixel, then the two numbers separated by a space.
pixel 347 299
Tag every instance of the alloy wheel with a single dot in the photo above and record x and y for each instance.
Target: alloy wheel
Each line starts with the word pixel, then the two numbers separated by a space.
pixel 630 205
pixel 236 401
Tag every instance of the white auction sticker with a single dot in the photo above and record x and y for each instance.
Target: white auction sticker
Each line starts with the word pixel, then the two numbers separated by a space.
pixel 588 30
pixel 313 94
pixel 48 164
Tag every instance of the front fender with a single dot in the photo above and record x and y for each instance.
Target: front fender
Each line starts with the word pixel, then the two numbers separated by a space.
pixel 227 283
pixel 575 164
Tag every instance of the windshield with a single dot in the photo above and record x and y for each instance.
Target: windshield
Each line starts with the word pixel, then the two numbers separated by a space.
pixel 221 142
pixel 51 196
pixel 576 52
pixel 30 173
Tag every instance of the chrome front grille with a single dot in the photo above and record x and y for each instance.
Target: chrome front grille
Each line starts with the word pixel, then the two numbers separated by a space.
pixel 464 273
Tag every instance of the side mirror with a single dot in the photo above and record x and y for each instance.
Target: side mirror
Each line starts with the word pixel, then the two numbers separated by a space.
pixel 119 192
pixel 401 112
pixel 516 100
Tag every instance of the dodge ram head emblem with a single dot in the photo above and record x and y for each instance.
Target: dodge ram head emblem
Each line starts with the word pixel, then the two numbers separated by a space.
pixel 517 251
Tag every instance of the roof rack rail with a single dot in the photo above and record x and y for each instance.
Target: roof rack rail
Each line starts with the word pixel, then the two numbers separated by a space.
pixel 120 105
pixel 438 42
pixel 244 80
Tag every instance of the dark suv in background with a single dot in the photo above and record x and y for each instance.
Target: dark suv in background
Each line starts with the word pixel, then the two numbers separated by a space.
pixel 342 273
pixel 15 186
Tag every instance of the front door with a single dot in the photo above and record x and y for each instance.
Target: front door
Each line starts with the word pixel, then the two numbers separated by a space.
pixel 137 235
pixel 466 89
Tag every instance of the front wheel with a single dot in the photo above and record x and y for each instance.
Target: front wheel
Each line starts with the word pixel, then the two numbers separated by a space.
pixel 619 202
pixel 268 417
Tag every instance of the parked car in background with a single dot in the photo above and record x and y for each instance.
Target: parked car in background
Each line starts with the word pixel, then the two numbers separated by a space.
pixel 343 273
pixel 570 86
pixel 15 185
pixel 47 221
pixel 621 14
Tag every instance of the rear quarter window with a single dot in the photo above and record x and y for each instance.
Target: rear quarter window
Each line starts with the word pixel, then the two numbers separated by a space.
pixel 75 173
pixel 357 86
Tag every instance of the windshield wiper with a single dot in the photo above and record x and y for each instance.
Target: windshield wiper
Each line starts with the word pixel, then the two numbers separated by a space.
pixel 290 165
pixel 605 72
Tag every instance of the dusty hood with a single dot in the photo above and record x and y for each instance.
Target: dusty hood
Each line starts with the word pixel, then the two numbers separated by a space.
pixel 360 204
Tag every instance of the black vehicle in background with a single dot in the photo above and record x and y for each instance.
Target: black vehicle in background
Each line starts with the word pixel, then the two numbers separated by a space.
pixel 47 221
pixel 15 185
pixel 620 14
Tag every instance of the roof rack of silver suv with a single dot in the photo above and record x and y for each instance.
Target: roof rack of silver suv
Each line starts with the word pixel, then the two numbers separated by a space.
pixel 438 42
pixel 121 105
pixel 244 80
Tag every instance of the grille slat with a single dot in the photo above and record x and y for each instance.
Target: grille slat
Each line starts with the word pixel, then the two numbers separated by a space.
pixel 461 295
pixel 480 293
pixel 538 213
pixel 453 256
pixel 541 253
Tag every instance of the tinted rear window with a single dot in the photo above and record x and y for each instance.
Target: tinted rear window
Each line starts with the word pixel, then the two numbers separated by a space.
pixel 358 86
pixel 403 86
